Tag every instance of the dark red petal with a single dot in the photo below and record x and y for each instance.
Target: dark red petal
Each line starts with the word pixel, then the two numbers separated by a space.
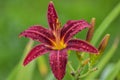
pixel 52 16
pixel 35 52
pixel 58 61
pixel 40 34
pixel 80 45
pixel 71 28
pixel 42 30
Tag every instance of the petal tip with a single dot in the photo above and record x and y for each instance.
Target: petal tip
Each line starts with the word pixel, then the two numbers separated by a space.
pixel 20 35
pixel 25 63
pixel 51 2
pixel 96 51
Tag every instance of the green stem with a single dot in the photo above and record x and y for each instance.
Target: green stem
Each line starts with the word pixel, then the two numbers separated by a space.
pixel 70 66
pixel 85 74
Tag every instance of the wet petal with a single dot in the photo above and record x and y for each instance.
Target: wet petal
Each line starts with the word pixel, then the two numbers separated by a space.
pixel 52 16
pixel 58 61
pixel 35 52
pixel 40 34
pixel 71 28
pixel 80 45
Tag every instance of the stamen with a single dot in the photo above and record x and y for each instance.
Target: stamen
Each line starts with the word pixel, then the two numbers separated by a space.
pixel 59 44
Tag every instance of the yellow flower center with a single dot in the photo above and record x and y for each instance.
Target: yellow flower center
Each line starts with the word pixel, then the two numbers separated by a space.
pixel 58 44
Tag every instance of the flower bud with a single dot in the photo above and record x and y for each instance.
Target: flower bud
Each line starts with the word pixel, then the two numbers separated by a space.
pixel 103 43
pixel 85 61
pixel 90 30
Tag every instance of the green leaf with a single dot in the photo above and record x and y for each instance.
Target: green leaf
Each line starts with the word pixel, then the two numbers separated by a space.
pixel 106 71
pixel 105 24
pixel 20 72
pixel 114 71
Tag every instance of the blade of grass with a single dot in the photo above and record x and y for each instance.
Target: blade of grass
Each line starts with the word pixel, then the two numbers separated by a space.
pixel 103 61
pixel 114 72
pixel 20 72
pixel 105 24
pixel 106 71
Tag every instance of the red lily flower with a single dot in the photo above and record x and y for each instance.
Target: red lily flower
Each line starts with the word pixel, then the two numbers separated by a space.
pixel 57 41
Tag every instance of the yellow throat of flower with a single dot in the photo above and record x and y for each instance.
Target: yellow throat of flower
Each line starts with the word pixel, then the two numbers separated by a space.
pixel 58 44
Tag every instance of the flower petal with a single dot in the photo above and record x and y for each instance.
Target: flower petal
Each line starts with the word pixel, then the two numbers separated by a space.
pixel 35 52
pixel 71 28
pixel 52 16
pixel 58 61
pixel 80 45
pixel 40 34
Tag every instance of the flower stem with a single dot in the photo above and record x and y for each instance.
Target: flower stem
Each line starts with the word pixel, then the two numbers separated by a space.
pixel 70 66
pixel 91 70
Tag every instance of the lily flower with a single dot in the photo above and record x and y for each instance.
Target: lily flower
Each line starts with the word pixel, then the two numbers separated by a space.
pixel 57 41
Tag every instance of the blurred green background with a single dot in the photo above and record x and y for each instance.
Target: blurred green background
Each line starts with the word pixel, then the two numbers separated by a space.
pixel 18 15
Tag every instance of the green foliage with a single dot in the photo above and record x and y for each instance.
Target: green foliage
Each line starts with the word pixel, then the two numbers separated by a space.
pixel 106 22
pixel 103 61
pixel 20 72
pixel 115 71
